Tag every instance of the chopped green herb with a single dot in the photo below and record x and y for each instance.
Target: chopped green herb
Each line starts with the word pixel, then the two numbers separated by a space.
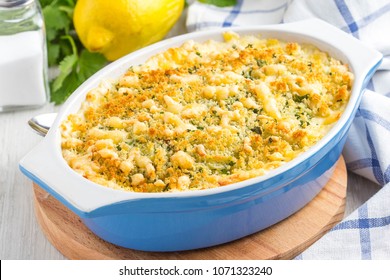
pixel 304 123
pixel 166 188
pixel 257 130
pixel 261 62
pixel 247 74
pixel 225 171
pixel 299 98
pixel 130 143
pixel 192 70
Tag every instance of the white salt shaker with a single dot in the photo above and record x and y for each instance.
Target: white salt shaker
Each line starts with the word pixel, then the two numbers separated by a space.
pixel 23 58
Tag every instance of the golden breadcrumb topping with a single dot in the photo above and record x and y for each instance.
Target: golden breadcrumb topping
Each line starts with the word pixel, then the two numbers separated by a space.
pixel 205 115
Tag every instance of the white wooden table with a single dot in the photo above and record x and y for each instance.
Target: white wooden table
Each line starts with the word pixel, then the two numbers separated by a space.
pixel 20 234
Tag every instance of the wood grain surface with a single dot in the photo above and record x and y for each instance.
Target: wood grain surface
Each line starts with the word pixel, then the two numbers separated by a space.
pixel 285 240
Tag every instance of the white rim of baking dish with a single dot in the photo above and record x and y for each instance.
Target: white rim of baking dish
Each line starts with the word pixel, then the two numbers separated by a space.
pixel 45 164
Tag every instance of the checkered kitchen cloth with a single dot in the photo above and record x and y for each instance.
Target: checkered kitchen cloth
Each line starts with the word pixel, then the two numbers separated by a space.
pixel 365 234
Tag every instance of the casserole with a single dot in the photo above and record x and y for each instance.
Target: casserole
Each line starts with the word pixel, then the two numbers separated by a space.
pixel 196 219
pixel 206 114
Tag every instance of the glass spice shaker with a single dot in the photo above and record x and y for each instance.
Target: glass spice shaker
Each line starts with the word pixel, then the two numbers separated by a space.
pixel 23 56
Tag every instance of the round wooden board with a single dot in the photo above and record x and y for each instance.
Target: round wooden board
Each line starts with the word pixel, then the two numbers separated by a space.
pixel 284 240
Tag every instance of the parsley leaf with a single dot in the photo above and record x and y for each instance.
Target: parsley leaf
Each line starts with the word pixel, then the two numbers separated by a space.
pixel 220 3
pixel 53 54
pixel 89 63
pixel 65 50
pixel 74 70
pixel 66 67
pixel 70 84
pixel 55 18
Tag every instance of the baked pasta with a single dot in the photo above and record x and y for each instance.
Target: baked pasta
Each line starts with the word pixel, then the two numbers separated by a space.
pixel 205 115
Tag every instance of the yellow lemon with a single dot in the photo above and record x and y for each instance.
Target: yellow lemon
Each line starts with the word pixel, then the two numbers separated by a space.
pixel 116 28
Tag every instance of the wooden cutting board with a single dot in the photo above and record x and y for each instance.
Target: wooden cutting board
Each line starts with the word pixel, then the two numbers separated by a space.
pixel 285 240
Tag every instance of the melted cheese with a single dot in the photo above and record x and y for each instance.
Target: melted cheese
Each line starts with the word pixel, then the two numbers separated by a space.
pixel 205 115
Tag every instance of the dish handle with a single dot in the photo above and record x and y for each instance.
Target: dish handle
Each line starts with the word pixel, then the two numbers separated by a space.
pixel 49 170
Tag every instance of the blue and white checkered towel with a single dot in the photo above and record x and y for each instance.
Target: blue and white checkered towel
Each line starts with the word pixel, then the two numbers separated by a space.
pixel 365 234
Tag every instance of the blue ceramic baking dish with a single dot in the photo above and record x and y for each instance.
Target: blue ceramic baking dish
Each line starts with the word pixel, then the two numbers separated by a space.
pixel 197 219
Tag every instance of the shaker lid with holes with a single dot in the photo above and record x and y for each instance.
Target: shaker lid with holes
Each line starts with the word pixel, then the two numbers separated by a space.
pixel 14 3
